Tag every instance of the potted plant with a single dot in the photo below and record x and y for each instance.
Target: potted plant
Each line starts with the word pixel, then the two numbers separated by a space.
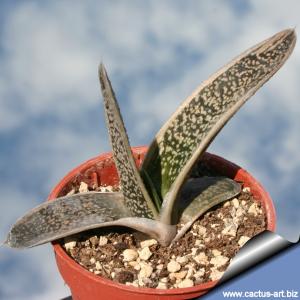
pixel 163 197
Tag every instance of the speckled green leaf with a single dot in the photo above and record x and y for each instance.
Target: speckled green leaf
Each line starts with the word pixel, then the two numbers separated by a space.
pixel 191 129
pixel 136 196
pixel 65 216
pixel 201 194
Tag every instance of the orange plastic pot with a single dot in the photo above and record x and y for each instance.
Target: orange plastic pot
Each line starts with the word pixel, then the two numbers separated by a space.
pixel 85 285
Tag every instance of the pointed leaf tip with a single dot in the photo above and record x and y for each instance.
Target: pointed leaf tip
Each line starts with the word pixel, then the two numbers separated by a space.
pixel 65 216
pixel 102 70
pixel 4 243
pixel 191 129
pixel 103 76
pixel 136 196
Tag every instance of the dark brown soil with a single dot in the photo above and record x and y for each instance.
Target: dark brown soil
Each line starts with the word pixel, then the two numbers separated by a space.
pixel 201 255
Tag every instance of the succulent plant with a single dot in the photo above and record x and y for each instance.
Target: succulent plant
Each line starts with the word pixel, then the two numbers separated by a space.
pixel 159 195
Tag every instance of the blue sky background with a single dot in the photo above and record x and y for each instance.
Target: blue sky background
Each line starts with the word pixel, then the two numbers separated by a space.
pixel 156 53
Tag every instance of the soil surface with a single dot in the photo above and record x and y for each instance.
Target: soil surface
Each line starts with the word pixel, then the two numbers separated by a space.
pixel 201 255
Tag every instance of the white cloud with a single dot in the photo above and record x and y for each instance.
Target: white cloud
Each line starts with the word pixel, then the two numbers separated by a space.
pixel 33 272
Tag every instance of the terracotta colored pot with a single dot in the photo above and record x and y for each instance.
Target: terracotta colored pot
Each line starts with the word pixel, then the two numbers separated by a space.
pixel 85 285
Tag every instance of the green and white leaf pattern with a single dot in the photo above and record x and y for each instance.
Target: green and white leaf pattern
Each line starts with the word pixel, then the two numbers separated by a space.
pixel 187 134
pixel 65 216
pixel 136 196
pixel 174 151
pixel 199 195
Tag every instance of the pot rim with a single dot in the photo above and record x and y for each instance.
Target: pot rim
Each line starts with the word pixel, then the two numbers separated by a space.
pixel 60 252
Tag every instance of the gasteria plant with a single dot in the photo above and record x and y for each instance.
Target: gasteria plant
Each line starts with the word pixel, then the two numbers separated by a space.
pixel 160 195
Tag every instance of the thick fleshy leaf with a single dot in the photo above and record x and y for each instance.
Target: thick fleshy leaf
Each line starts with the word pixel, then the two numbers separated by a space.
pixel 65 216
pixel 187 134
pixel 200 195
pixel 136 196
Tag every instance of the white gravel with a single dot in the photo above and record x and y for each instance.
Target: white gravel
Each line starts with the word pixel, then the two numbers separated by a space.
pixel 83 188
pixel 243 240
pixel 187 270
pixel 145 253
pixel 173 266
pixel 186 283
pixel 130 255
pixel 148 243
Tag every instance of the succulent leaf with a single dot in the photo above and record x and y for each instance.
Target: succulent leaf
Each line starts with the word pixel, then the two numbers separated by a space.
pixel 65 216
pixel 136 196
pixel 171 156
pixel 187 134
pixel 68 215
pixel 199 195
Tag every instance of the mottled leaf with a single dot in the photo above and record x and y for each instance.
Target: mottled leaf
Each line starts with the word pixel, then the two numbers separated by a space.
pixel 135 193
pixel 65 216
pixel 68 215
pixel 201 194
pixel 186 135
